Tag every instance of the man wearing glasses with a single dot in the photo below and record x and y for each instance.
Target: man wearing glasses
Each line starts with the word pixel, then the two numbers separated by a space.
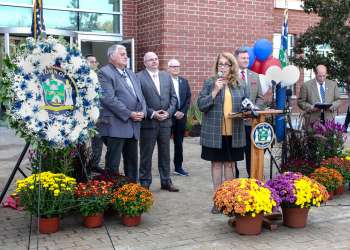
pixel 183 94
pixel 161 102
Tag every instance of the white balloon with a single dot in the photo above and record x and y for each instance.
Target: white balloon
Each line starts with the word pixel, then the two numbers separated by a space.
pixel 290 75
pixel 273 73
pixel 264 83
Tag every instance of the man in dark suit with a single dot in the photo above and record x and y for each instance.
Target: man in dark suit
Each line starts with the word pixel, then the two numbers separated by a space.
pixel 183 94
pixel 123 108
pixel 160 96
pixel 253 86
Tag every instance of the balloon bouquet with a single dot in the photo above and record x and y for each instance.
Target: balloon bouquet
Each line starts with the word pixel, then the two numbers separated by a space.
pixel 272 75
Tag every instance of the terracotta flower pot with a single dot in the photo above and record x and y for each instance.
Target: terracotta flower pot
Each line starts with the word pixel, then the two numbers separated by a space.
pixel 131 221
pixel 295 217
pixel 49 225
pixel 247 225
pixel 340 190
pixel 93 221
pixel 331 195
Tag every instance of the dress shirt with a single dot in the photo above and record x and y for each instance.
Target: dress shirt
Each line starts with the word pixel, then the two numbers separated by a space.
pixel 177 89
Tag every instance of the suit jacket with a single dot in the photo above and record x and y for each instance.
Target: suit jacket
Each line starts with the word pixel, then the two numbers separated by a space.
pixel 166 100
pixel 118 102
pixel 254 91
pixel 254 88
pixel 185 98
pixel 213 112
pixel 309 96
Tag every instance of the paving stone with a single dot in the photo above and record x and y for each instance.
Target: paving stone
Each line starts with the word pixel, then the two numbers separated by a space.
pixel 177 220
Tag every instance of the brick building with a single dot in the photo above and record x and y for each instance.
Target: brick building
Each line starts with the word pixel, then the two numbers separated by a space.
pixel 194 31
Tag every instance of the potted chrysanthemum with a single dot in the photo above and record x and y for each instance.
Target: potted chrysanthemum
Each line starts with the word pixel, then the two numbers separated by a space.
pixel 328 177
pixel 342 166
pixel 298 193
pixel 131 201
pixel 248 200
pixel 47 195
pixel 93 198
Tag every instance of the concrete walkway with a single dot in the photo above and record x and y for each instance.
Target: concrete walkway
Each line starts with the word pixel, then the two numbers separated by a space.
pixel 177 221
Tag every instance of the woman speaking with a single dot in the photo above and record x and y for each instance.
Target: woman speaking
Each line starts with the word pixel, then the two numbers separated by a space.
pixel 222 137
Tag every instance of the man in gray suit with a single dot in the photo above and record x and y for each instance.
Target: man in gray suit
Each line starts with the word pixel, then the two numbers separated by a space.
pixel 318 90
pixel 123 108
pixel 161 100
pixel 253 87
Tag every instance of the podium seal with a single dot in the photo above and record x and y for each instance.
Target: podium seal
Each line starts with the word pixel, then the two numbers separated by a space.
pixel 262 135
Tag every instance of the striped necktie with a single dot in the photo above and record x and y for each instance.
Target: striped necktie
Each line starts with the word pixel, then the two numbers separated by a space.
pixel 323 93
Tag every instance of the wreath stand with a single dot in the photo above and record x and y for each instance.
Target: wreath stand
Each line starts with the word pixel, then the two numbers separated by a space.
pixel 17 168
pixel 14 171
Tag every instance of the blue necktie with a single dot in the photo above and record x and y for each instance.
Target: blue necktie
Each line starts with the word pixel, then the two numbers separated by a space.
pixel 323 93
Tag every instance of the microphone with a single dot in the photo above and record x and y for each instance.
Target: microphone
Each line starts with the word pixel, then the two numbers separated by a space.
pixel 220 74
pixel 248 105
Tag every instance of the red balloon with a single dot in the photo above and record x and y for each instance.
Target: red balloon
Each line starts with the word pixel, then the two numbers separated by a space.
pixel 256 67
pixel 271 61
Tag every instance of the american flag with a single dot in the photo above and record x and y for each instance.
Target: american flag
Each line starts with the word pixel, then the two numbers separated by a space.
pixel 38 27
pixel 283 56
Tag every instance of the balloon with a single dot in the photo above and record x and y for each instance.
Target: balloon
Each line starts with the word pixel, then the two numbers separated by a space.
pixel 268 63
pixel 251 56
pixel 262 49
pixel 290 75
pixel 256 67
pixel 274 73
pixel 264 83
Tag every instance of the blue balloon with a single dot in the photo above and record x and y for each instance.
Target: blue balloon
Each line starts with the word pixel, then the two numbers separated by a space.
pixel 262 49
pixel 251 56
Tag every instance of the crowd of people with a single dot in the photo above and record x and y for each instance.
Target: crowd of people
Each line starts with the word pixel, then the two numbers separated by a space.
pixel 145 109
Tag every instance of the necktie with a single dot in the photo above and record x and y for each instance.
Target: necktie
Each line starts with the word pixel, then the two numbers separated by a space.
pixel 243 75
pixel 156 82
pixel 323 93
pixel 128 82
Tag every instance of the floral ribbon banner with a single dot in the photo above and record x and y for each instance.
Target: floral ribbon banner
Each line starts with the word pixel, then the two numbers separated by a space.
pixel 54 96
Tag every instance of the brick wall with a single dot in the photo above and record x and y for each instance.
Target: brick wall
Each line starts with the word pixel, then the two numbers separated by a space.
pixel 194 31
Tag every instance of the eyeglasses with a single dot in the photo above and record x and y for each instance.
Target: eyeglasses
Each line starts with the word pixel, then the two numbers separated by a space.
pixel 174 66
pixel 152 60
pixel 225 65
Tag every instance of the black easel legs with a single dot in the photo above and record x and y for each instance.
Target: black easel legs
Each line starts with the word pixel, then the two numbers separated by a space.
pixel 15 169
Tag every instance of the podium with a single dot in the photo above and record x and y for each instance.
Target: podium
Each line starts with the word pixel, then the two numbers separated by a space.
pixel 257 154
pixel 257 157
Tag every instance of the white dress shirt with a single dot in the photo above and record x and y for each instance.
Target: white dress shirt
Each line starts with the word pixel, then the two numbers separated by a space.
pixel 177 89
pixel 155 78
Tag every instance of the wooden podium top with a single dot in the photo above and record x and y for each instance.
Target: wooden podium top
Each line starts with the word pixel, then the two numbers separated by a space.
pixel 248 114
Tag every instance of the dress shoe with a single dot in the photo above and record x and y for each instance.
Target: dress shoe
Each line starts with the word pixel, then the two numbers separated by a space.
pixel 181 172
pixel 145 186
pixel 170 188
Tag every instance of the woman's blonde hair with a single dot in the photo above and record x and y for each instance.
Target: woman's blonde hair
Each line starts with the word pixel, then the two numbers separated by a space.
pixel 233 74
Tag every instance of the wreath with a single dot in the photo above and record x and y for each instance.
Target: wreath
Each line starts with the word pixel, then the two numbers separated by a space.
pixel 52 95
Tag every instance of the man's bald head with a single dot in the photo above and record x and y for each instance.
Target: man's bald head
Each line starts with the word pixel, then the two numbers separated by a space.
pixel 321 73
pixel 151 62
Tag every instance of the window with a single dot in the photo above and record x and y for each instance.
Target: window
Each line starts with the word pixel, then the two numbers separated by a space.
pixel 291 4
pixel 20 17
pixel 276 43
pixel 102 16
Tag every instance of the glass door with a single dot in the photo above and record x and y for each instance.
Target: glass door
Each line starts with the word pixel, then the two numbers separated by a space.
pixel 97 45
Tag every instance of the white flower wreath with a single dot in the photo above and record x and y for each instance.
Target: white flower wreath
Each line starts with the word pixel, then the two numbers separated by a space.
pixel 54 94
